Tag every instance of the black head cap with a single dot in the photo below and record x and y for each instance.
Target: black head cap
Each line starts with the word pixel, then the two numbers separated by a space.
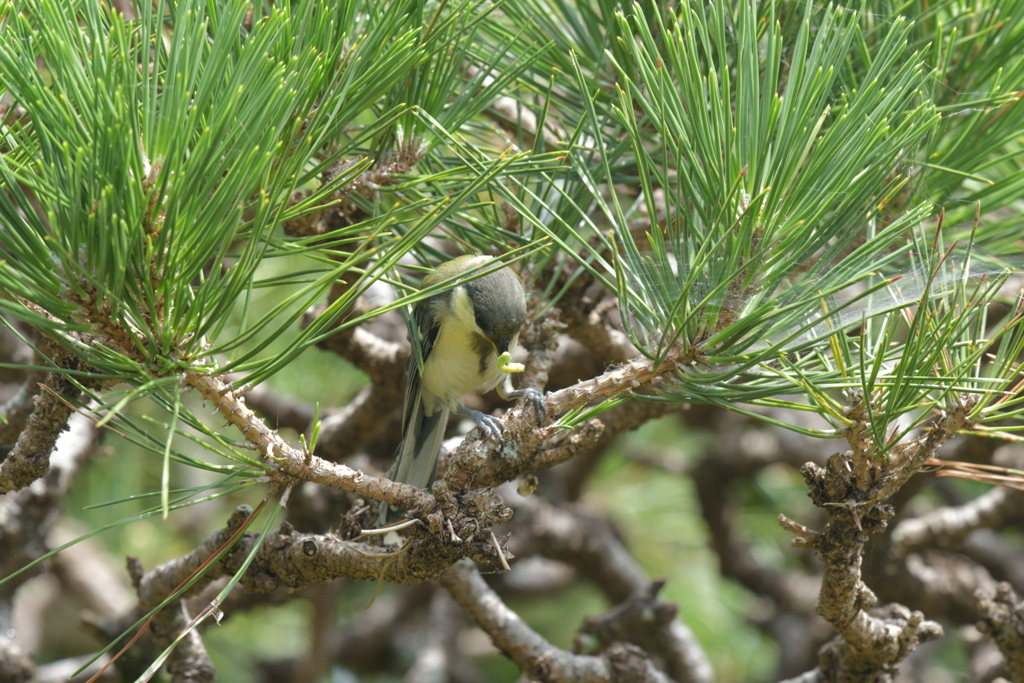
pixel 499 305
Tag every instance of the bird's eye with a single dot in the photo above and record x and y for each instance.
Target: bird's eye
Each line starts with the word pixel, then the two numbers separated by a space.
pixel 479 321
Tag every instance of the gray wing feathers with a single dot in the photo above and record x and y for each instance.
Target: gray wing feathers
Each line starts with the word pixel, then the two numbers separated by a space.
pixel 421 442
pixel 421 435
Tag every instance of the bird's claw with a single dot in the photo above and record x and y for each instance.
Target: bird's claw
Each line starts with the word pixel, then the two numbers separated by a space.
pixel 538 404
pixel 490 425
pixel 535 397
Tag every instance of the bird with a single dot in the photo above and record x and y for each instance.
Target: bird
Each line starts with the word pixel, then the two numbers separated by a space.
pixel 467 335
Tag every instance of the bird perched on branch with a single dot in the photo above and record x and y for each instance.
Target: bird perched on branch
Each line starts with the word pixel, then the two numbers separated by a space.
pixel 467 335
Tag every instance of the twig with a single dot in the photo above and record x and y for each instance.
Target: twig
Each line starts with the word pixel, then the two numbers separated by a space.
pixel 534 655
pixel 30 458
pixel 293 462
pixel 1002 618
pixel 17 410
pixel 852 488
pixel 948 525
pixel 591 547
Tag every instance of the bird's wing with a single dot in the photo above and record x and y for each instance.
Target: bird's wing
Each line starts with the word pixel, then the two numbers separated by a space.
pixel 426 329
pixel 421 435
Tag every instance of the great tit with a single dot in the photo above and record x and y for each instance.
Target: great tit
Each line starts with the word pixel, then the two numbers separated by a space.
pixel 467 335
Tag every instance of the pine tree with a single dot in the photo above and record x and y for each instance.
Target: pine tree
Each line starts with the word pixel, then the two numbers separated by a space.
pixel 777 223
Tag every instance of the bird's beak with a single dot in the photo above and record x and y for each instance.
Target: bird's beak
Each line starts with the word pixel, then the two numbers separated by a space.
pixel 502 344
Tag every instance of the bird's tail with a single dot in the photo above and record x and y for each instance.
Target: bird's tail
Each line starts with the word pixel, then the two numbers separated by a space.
pixel 417 455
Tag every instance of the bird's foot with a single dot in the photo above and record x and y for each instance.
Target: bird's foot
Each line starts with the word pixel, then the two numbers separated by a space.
pixel 533 396
pixel 488 423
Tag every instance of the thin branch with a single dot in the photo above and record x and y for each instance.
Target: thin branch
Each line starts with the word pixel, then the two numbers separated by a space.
pixel 631 377
pixel 343 432
pixel 586 317
pixel 1002 617
pixel 594 550
pixel 729 459
pixel 946 526
pixel 852 488
pixel 291 463
pixel 17 410
pixel 620 419
pixel 27 516
pixel 1002 558
pixel 189 661
pixel 534 655
pixel 30 458
pixel 639 619
pixel 322 221
pixel 383 360
pixel 541 340
pixel 935 582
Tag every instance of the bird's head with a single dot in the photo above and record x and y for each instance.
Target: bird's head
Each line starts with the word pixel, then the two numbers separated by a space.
pixel 499 307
